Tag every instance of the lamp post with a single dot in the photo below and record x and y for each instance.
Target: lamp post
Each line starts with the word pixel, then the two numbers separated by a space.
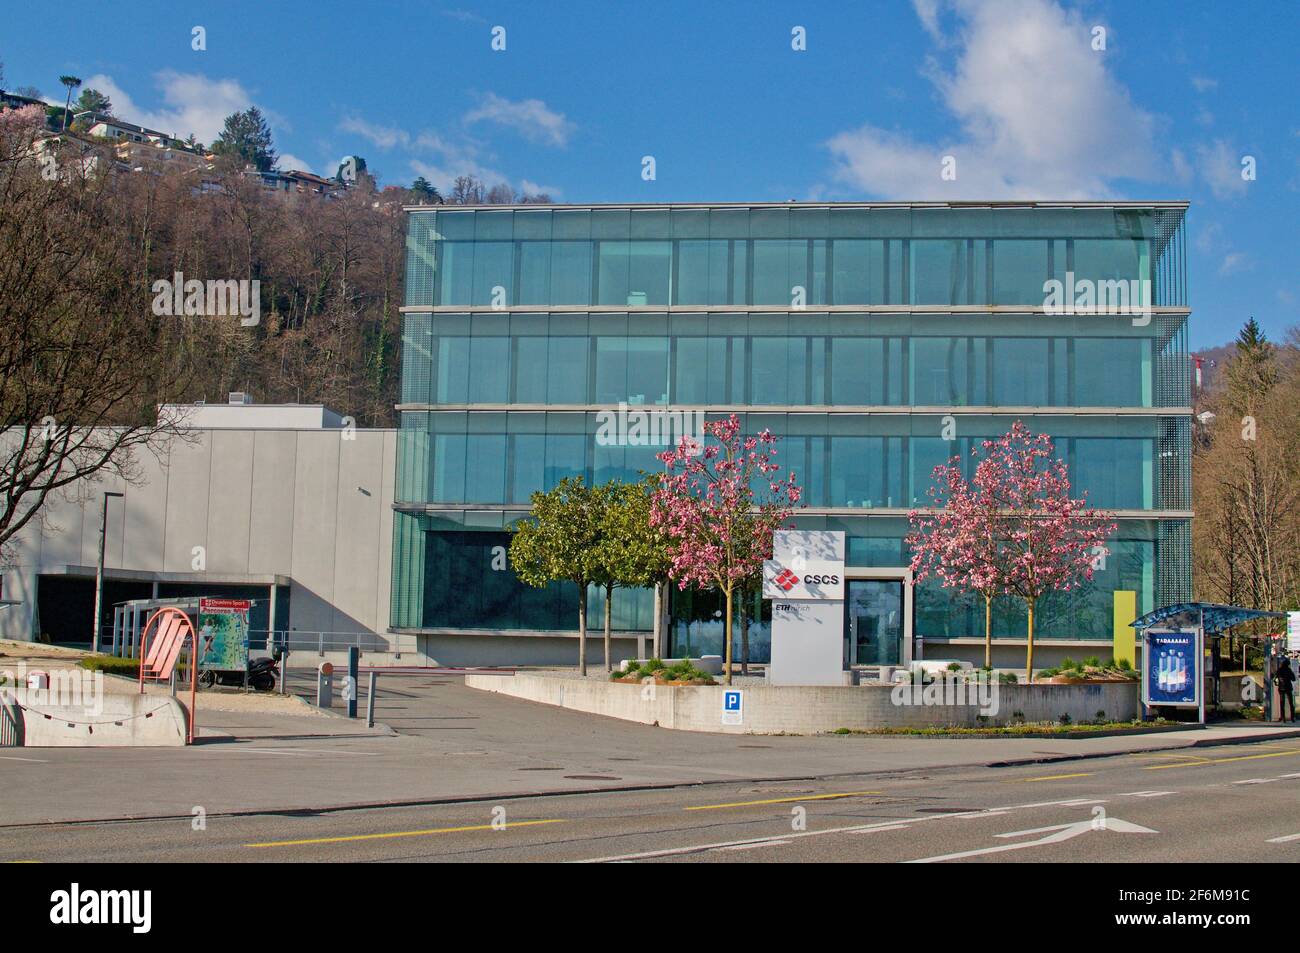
pixel 99 571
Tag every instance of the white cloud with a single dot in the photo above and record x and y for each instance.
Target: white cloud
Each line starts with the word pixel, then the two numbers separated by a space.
pixel 928 13
pixel 384 137
pixel 443 157
pixel 193 103
pixel 1038 113
pixel 531 118
pixel 1235 261
pixel 289 162
pixel 1204 84
pixel 535 188
pixel 1220 167
pixel 1209 237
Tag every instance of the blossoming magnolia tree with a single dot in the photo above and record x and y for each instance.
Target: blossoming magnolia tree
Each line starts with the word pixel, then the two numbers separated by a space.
pixel 957 541
pixel 1014 529
pixel 718 529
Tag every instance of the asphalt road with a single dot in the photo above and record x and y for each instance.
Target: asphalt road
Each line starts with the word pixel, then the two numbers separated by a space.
pixel 1228 803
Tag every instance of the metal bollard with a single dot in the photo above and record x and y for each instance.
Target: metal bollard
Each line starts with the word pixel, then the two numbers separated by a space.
pixel 325 685
pixel 350 689
pixel 370 703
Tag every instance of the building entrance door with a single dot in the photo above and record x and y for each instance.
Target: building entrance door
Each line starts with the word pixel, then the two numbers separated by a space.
pixel 874 627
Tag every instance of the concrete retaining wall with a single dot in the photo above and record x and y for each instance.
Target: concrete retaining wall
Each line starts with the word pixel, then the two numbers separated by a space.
pixel 812 710
pixel 126 720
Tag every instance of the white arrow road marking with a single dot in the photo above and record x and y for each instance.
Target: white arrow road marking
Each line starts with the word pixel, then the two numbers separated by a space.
pixel 1063 832
pixel 854 829
pixel 1283 840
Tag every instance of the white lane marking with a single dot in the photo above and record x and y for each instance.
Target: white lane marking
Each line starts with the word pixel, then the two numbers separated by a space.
pixel 31 760
pixel 241 750
pixel 1283 840
pixel 853 829
pixel 877 830
pixel 1148 793
pixel 1280 777
pixel 770 843
pixel 1063 832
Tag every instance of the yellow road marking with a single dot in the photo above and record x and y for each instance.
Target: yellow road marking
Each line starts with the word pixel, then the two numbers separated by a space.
pixel 1059 777
pixel 1172 756
pixel 1205 761
pixel 780 800
pixel 436 830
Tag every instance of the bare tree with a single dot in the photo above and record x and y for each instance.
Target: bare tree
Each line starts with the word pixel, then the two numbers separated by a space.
pixel 83 360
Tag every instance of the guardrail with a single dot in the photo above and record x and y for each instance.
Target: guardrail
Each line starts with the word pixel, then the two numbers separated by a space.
pixel 321 642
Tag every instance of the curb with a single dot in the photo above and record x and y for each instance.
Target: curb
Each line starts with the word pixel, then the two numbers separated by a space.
pixel 1199 743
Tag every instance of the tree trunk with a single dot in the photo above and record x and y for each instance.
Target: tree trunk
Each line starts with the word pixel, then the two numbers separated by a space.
pixel 657 649
pixel 988 631
pixel 1029 655
pixel 609 615
pixel 582 629
pixel 744 637
pixel 726 665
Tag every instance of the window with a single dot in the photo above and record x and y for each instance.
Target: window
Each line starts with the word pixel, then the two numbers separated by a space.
pixel 857 371
pixel 938 366
pixel 1020 372
pixel 702 272
pixel 489 370
pixel 938 272
pixel 570 273
pixel 1019 271
pixel 780 265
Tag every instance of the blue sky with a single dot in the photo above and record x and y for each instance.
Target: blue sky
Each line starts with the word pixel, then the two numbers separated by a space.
pixel 1012 89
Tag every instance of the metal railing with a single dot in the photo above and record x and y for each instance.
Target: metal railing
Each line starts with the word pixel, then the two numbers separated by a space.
pixel 11 728
pixel 295 640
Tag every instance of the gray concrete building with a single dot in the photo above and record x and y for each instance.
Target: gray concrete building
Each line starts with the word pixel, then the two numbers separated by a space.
pixel 285 505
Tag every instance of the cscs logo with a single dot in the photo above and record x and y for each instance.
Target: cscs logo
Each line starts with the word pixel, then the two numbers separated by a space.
pixel 786 580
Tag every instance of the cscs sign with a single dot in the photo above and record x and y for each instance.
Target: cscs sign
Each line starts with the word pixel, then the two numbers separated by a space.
pixel 814 579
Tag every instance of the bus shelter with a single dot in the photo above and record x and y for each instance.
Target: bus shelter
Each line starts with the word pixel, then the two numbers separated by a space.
pixel 1173 641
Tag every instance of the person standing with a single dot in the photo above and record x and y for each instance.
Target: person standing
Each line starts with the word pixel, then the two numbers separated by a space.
pixel 1285 677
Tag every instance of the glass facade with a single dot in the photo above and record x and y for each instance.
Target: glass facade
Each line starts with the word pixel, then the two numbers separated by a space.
pixel 876 341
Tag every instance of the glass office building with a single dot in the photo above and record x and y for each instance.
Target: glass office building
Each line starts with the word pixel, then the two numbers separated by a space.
pixel 875 340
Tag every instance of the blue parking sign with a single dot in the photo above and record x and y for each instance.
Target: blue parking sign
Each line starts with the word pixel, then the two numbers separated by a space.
pixel 733 707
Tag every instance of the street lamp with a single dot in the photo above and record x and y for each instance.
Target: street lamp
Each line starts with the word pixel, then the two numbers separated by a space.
pixel 99 570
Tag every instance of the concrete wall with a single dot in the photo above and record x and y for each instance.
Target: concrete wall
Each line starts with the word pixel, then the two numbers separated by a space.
pixel 309 505
pixel 125 720
pixel 559 649
pixel 809 710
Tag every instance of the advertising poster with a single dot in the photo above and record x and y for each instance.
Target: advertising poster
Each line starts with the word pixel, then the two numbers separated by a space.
pixel 223 634
pixel 1172 668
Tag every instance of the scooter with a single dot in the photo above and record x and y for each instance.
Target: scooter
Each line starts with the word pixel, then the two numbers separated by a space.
pixel 262 674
